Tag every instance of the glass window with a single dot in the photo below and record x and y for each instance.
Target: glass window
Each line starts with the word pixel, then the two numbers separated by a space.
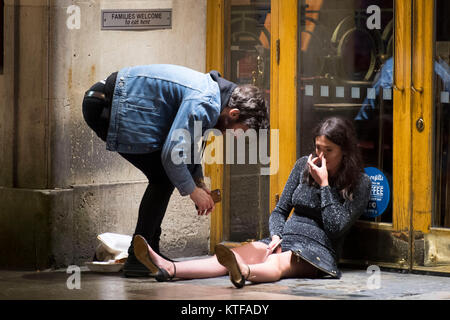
pixel 346 69
pixel 247 61
pixel 441 217
pixel 248 58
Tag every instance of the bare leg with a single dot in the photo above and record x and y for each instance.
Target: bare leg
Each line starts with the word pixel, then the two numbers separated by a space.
pixel 200 268
pixel 251 253
pixel 278 266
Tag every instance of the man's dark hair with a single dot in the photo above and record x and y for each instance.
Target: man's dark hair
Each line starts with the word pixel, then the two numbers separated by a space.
pixel 252 106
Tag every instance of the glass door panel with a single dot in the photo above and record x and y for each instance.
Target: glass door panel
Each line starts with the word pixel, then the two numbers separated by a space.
pixel 346 69
pixel 441 214
pixel 247 61
pixel 347 51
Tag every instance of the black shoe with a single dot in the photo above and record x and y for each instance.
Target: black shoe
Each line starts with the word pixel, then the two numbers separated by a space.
pixel 142 254
pixel 133 268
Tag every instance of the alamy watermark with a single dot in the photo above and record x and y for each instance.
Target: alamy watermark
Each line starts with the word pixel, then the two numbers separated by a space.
pixel 185 150
pixel 374 21
pixel 74 280
pixel 74 17
pixel 374 281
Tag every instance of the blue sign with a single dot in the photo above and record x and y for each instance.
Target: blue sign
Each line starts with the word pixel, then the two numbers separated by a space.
pixel 380 194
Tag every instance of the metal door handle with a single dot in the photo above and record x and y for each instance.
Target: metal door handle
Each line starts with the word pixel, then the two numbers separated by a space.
pixel 420 124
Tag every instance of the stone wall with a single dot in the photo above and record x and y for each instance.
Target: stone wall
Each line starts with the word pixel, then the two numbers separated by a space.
pixel 59 187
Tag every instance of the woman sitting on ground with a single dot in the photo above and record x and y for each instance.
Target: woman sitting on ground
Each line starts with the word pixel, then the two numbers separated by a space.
pixel 328 191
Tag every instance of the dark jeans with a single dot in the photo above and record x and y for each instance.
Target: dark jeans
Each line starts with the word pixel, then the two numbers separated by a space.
pixel 157 195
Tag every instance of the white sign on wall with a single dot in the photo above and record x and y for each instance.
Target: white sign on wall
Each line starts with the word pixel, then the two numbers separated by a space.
pixel 140 19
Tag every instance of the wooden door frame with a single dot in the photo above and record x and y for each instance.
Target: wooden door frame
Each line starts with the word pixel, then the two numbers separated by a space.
pixel 410 230
pixel 389 244
pixel 283 72
pixel 283 91
pixel 412 243
pixel 422 91
pixel 436 241
pixel 215 47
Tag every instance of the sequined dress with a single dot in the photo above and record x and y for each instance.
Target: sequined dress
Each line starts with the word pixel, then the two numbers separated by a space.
pixel 321 218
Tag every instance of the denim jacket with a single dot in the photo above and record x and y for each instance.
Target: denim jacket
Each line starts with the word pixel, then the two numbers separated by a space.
pixel 150 102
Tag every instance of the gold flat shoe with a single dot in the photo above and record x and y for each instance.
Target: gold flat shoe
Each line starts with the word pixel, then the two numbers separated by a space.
pixel 227 258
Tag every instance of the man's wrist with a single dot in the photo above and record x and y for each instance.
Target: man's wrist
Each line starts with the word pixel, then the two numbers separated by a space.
pixel 199 182
pixel 194 191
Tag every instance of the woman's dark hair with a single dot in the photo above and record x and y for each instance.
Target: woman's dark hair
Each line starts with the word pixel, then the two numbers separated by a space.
pixel 252 106
pixel 341 132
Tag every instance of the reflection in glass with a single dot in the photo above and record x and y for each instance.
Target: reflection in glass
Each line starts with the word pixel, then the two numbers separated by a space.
pixel 346 70
pixel 249 43
pixel 441 214
pixel 247 61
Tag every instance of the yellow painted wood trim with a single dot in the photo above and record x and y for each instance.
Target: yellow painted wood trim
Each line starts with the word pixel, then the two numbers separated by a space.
pixel 215 25
pixel 215 60
pixel 402 146
pixel 274 72
pixel 288 83
pixel 284 27
pixel 423 104
pixel 283 106
pixel 283 110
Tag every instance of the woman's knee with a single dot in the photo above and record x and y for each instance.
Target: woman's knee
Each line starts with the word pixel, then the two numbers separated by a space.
pixel 252 253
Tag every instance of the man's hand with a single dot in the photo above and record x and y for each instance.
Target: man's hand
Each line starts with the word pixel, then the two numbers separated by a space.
pixel 200 183
pixel 203 200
